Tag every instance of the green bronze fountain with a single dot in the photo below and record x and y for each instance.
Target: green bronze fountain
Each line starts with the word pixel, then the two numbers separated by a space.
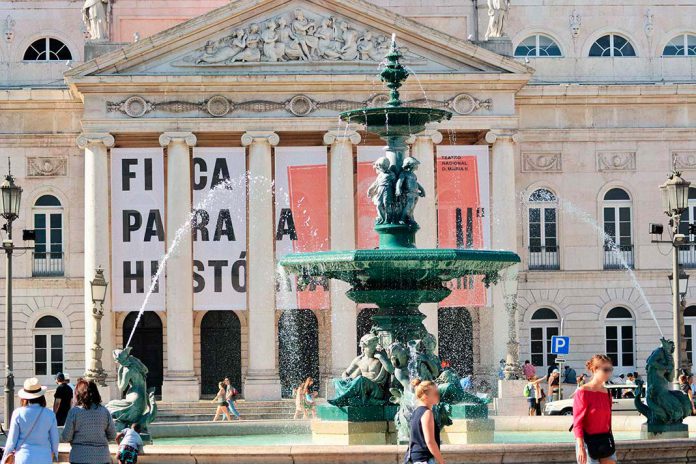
pixel 397 277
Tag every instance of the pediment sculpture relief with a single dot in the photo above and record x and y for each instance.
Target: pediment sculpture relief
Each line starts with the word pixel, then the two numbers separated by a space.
pixel 295 37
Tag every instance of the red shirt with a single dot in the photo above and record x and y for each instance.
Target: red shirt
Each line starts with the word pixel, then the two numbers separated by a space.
pixel 591 412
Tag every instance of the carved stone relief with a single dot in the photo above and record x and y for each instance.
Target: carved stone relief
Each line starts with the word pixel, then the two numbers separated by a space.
pixel 299 36
pixel 541 162
pixel 616 161
pixel 9 28
pixel 299 105
pixel 45 166
pixel 684 160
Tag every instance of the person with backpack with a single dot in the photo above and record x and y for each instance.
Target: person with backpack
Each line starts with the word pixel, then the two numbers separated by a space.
pixel 592 415
pixel 231 394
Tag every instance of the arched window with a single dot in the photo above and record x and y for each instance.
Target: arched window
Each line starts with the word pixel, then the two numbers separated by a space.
pixel 48 347
pixel 544 325
pixel 147 345
pixel 543 230
pixel 681 45
pixel 689 331
pixel 687 254
pixel 538 46
pixel 48 247
pixel 620 337
pixel 618 238
pixel 612 45
pixel 456 338
pixel 47 49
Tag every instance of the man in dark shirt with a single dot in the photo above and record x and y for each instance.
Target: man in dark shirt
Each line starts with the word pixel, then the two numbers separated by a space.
pixel 62 400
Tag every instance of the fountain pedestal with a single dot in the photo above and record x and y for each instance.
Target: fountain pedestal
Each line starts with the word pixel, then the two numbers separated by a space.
pixel 354 425
pixel 663 431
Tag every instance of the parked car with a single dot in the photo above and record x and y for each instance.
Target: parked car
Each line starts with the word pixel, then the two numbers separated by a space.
pixel 622 403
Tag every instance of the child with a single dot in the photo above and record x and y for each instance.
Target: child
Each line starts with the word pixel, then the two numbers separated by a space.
pixel 130 445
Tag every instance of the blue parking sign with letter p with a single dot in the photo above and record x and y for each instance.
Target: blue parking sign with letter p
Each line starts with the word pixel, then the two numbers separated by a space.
pixel 560 345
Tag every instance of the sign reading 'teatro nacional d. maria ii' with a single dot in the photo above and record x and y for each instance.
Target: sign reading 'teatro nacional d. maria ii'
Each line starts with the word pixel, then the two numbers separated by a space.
pixel 218 228
pixel 137 224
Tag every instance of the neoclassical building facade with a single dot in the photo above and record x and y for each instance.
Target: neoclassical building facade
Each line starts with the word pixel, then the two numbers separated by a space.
pixel 223 115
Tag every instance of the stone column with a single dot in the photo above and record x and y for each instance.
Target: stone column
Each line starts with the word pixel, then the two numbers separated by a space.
pixel 423 149
pixel 342 220
pixel 262 381
pixel 96 245
pixel 180 382
pixel 504 230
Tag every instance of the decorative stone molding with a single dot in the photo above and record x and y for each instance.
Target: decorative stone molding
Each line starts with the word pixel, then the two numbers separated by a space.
pixel 501 135
pixel 47 166
pixel 9 29
pixel 649 25
pixel 542 162
pixel 334 136
pixel 299 105
pixel 88 138
pixel 260 137
pixel 616 161
pixel 434 135
pixel 684 160
pixel 575 21
pixel 167 138
pixel 299 36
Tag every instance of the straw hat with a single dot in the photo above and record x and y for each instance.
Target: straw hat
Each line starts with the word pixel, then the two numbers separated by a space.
pixel 32 389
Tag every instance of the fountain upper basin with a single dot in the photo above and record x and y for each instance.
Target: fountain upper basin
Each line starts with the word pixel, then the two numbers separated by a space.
pixel 395 121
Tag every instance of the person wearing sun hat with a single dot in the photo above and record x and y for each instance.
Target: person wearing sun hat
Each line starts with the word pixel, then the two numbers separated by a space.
pixel 33 436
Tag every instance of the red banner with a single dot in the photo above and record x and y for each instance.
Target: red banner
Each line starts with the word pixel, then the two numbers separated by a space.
pixel 367 237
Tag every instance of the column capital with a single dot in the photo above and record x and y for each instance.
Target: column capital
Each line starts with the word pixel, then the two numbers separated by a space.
pixel 494 135
pixel 434 135
pixel 269 137
pixel 87 138
pixel 169 137
pixel 338 136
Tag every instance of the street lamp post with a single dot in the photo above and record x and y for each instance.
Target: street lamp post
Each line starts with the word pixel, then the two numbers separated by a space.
pixel 683 290
pixel 10 197
pixel 675 199
pixel 98 287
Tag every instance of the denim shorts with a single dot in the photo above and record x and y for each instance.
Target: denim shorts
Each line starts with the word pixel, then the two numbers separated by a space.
pixel 594 461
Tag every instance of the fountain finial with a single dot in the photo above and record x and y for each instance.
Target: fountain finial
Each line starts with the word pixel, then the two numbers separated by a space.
pixel 394 74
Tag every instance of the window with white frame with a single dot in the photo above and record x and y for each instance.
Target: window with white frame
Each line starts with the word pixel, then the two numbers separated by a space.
pixel 618 235
pixel 620 330
pixel 687 254
pixel 689 331
pixel 47 49
pixel 543 325
pixel 538 46
pixel 48 247
pixel 543 229
pixel 612 45
pixel 48 346
pixel 681 45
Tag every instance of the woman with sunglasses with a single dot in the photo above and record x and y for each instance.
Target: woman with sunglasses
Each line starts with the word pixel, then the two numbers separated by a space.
pixel 592 415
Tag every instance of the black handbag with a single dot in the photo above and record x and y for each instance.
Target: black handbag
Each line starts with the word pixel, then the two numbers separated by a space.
pixel 600 445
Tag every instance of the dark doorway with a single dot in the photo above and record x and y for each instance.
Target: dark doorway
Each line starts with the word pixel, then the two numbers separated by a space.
pixel 364 323
pixel 456 339
pixel 147 346
pixel 221 350
pixel 298 349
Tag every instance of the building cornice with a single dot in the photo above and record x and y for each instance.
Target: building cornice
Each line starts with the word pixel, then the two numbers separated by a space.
pixel 605 135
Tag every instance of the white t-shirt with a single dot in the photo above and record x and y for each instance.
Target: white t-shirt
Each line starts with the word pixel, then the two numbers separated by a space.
pixel 131 438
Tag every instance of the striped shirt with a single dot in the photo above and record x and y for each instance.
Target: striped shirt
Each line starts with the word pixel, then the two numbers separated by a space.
pixel 89 432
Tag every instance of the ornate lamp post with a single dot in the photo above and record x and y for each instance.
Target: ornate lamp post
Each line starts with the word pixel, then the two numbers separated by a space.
pixel 512 362
pixel 98 287
pixel 683 289
pixel 675 200
pixel 10 197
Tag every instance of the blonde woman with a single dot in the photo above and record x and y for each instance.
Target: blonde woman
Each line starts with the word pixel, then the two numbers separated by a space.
pixel 309 397
pixel 221 402
pixel 424 446
pixel 300 393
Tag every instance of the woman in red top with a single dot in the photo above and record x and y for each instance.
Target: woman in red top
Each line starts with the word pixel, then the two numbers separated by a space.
pixel 592 409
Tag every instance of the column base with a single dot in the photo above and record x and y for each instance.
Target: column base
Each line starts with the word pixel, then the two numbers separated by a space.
pixel 261 385
pixel 181 388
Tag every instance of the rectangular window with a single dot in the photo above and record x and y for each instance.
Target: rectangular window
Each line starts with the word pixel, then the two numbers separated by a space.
pixel 537 348
pixel 688 340
pixel 619 345
pixel 40 355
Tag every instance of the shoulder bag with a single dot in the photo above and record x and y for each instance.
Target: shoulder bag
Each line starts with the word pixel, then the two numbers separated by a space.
pixel 10 459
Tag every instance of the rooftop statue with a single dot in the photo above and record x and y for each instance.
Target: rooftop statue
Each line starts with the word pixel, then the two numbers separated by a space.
pixel 96 15
pixel 364 382
pixel 664 406
pixel 497 14
pixel 138 405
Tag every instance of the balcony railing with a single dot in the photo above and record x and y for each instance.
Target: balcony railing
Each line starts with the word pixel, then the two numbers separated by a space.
pixel 47 264
pixel 543 258
pixel 687 256
pixel 618 256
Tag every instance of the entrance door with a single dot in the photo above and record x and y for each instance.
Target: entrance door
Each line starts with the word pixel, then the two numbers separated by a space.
pixel 298 349
pixel 455 339
pixel 221 350
pixel 147 346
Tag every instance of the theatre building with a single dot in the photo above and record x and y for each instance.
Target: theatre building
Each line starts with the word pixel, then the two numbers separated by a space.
pixel 223 116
